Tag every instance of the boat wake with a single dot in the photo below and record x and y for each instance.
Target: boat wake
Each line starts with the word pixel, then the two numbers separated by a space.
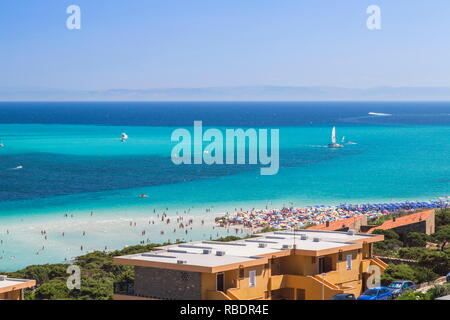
pixel 380 114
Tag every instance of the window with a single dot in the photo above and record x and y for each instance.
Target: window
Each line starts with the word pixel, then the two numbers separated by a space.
pixel 220 281
pixel 349 262
pixel 324 265
pixel 241 273
pixel 252 279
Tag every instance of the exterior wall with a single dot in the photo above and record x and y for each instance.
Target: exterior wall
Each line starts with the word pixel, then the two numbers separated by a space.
pixel 294 277
pixel 11 295
pixel 167 284
pixel 239 286
pixel 425 226
pixel 262 279
pixel 424 222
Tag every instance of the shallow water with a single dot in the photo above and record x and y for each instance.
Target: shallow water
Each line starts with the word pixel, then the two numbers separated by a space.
pixel 79 167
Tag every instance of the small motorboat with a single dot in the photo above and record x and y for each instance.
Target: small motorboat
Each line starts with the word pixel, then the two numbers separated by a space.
pixel 143 196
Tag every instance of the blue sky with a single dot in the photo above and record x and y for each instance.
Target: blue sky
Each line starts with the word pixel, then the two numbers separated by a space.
pixel 137 44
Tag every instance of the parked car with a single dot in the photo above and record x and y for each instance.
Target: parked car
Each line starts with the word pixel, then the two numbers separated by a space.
pixel 344 296
pixel 377 293
pixel 447 277
pixel 401 286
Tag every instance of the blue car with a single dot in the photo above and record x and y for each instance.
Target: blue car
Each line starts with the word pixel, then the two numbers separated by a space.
pixel 377 293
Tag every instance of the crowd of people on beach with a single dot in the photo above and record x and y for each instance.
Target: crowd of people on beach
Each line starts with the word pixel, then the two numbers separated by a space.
pixel 163 225
pixel 179 225
pixel 287 218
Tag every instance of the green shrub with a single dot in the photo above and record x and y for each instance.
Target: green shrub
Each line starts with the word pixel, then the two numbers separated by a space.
pixel 414 295
pixel 439 291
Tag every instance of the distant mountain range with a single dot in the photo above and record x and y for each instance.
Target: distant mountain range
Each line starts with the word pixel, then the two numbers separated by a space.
pixel 255 93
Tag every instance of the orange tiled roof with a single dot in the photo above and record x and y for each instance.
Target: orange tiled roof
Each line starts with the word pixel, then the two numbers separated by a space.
pixel 403 221
pixel 338 224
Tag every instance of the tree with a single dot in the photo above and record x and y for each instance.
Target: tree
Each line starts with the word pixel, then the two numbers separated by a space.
pixel 52 290
pixel 442 236
pixel 416 239
pixel 422 274
pixel 438 261
pixel 412 253
pixel 442 217
pixel 388 234
pixel 397 272
pixel 403 271
pixel 41 273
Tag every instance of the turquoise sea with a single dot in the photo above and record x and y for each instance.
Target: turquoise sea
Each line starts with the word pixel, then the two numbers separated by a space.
pixel 73 163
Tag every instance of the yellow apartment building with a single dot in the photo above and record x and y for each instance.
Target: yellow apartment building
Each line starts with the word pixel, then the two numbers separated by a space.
pixel 297 265
pixel 12 289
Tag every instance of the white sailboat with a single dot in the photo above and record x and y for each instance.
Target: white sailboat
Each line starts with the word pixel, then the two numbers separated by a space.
pixel 124 137
pixel 333 143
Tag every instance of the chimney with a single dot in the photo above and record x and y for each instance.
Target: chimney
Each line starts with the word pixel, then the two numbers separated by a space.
pixel 393 219
pixel 327 224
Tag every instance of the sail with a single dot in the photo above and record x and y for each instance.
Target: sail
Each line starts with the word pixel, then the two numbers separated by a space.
pixel 333 136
